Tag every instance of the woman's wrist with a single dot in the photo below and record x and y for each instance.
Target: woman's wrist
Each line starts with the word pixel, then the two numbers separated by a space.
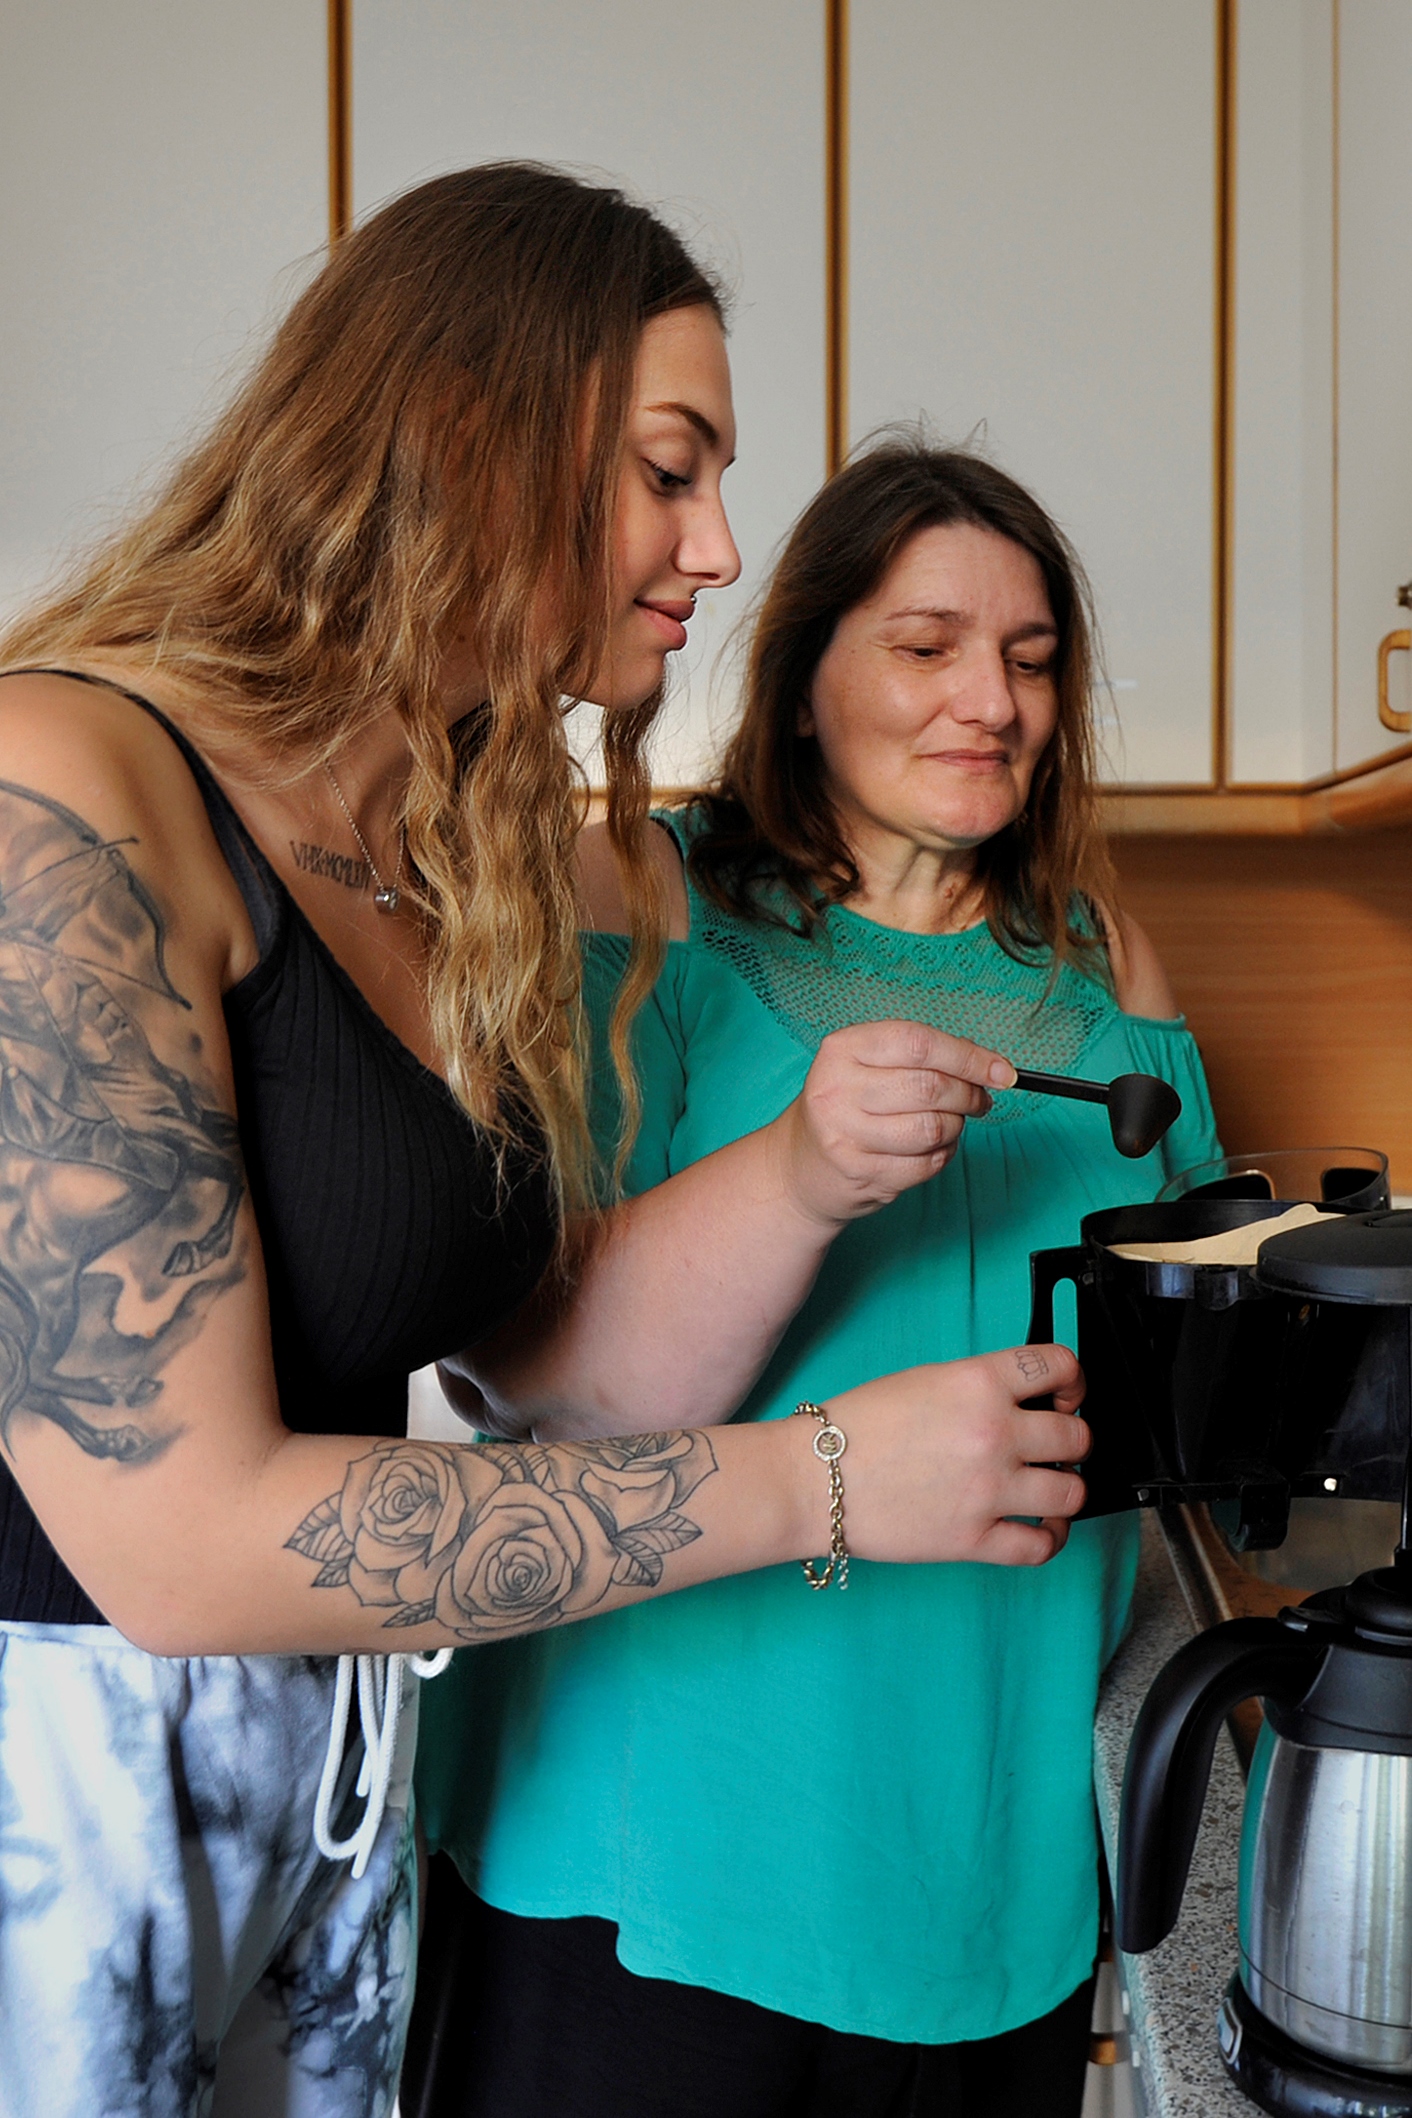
pixel 774 1493
pixel 803 1505
pixel 812 1192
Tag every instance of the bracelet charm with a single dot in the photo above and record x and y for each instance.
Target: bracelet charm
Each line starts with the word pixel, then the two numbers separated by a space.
pixel 829 1445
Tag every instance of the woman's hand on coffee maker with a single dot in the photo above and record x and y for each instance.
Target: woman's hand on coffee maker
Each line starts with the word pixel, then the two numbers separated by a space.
pixel 941 1460
pixel 882 1109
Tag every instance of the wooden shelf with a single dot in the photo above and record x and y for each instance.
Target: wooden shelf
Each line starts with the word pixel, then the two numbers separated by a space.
pixel 1373 797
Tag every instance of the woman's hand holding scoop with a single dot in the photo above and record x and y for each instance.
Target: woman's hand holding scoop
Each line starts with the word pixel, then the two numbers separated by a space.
pixel 882 1109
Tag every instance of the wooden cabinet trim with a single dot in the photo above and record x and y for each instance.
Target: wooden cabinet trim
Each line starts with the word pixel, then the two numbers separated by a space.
pixel 1372 797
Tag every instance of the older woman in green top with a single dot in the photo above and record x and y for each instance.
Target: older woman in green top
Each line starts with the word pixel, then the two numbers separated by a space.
pixel 755 1852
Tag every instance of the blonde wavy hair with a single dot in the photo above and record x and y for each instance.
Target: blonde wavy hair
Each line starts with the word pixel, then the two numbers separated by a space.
pixel 430 446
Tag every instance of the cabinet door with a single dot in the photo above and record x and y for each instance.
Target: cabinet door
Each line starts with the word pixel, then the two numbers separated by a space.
pixel 1373 439
pixel 1033 265
pixel 721 121
pixel 1322 426
pixel 1283 379
pixel 164 170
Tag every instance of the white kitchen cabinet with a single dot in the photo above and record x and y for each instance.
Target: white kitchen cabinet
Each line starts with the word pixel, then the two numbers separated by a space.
pixel 1322 428
pixel 1032 264
pixel 1032 261
pixel 163 165
pixel 1282 455
pixel 720 120
pixel 1373 439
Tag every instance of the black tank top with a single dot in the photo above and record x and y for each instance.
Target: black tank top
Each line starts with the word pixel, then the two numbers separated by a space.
pixel 392 1234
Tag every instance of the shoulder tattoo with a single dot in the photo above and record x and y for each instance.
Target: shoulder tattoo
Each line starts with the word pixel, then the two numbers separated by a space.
pixel 120 1179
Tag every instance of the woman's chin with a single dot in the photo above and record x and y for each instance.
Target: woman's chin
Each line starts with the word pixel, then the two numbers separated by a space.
pixel 629 686
pixel 971 823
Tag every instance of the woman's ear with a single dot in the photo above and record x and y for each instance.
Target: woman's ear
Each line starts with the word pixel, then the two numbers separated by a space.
pixel 804 720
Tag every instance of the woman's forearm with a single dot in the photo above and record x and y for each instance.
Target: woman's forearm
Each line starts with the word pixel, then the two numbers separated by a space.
pixel 671 1308
pixel 346 1546
pixel 322 1544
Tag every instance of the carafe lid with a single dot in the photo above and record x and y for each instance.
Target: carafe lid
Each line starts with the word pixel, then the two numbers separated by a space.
pixel 1379 1606
pixel 1354 1257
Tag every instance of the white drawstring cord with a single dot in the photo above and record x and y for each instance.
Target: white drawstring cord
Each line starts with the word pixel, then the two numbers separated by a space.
pixel 380 1682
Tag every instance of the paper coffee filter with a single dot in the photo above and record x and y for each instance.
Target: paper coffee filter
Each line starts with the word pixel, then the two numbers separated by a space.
pixel 1233 1246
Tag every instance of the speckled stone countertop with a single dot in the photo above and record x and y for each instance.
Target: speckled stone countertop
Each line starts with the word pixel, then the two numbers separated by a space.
pixel 1174 1991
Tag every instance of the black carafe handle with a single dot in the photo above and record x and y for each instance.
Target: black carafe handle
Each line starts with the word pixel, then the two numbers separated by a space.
pixel 1048 1270
pixel 1169 1759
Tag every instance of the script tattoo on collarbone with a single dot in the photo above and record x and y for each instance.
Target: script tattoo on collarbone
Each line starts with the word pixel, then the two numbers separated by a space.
pixel 333 867
pixel 119 1181
pixel 498 1538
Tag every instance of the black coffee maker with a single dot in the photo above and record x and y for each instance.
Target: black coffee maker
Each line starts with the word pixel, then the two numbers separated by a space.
pixel 1203 1384
pixel 1243 1386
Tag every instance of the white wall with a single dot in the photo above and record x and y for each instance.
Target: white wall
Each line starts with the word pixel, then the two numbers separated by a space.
pixel 163 166
pixel 718 118
pixel 1033 209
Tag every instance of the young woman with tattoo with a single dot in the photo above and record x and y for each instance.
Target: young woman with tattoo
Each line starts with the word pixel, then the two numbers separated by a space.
pixel 291 1103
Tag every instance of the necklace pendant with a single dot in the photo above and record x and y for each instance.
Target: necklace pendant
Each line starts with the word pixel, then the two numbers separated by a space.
pixel 388 898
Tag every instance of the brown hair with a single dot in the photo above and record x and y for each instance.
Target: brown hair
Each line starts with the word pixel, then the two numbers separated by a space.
pixel 768 817
pixel 432 440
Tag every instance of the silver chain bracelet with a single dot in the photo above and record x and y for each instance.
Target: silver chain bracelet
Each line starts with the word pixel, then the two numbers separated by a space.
pixel 829 1444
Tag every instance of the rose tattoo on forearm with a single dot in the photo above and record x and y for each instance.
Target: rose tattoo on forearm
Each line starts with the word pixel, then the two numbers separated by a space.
pixel 496 1538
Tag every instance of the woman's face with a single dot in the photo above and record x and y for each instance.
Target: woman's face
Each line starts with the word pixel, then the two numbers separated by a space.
pixel 671 537
pixel 935 698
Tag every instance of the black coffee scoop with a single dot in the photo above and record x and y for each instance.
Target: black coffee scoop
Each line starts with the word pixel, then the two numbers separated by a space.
pixel 1140 1107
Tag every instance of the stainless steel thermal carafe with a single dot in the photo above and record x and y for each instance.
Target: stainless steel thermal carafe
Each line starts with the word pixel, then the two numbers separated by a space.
pixel 1326 1899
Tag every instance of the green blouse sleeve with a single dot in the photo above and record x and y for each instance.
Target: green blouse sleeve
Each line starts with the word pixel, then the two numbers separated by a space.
pixel 659 1055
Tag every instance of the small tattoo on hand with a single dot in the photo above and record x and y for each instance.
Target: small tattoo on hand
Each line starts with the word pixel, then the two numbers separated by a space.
pixel 1031 1363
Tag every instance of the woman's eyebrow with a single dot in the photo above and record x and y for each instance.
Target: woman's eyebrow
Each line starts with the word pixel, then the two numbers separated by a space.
pixel 693 418
pixel 1039 628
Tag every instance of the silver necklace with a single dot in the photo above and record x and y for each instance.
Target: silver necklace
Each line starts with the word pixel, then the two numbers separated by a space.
pixel 387 896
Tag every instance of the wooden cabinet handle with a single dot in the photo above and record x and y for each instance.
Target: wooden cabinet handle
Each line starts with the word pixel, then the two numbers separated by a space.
pixel 1393 643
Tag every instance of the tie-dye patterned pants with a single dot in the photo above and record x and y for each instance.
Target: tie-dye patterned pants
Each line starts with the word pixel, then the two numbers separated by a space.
pixel 171 1943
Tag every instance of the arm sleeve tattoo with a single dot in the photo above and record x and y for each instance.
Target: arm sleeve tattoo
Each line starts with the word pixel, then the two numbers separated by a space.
pixel 120 1180
pixel 495 1539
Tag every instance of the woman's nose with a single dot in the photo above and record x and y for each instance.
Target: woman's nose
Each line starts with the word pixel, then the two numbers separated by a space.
pixel 982 694
pixel 707 552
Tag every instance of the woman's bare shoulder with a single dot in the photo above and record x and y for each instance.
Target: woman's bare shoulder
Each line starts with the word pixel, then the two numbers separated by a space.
pixel 111 770
pixel 88 735
pixel 601 884
pixel 1139 980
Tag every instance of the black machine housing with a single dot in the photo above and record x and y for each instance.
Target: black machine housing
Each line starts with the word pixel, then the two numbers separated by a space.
pixel 1205 1384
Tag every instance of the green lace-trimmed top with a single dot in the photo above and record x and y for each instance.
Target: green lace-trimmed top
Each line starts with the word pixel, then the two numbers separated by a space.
pixel 872 1810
